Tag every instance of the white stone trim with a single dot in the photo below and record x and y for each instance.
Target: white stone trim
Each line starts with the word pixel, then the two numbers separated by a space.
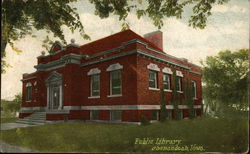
pixel 180 92
pixel 57 111
pixel 106 107
pixel 197 106
pixel 114 67
pixel 157 89
pixel 179 73
pixel 94 71
pixel 182 107
pixel 153 67
pixel 167 70
pixel 167 90
pixel 93 97
pixel 72 107
pixel 28 84
pixel 169 107
pixel 31 109
pixel 118 95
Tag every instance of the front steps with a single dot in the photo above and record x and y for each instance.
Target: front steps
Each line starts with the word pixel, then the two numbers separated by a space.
pixel 36 118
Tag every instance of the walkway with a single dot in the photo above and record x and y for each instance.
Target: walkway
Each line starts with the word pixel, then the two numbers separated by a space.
pixel 7 148
pixel 7 126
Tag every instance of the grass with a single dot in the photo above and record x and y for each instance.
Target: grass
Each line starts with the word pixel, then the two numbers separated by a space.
pixel 8 120
pixel 213 135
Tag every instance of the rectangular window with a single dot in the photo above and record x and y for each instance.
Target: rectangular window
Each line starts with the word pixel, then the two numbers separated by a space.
pixel 115 82
pixel 178 84
pixel 95 85
pixel 194 93
pixel 166 81
pixel 154 115
pixel 152 79
pixel 94 115
pixel 115 115
pixel 28 93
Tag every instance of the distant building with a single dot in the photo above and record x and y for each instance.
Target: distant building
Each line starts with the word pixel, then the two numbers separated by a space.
pixel 116 78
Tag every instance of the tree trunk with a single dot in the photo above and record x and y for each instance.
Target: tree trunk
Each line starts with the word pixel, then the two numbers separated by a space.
pixel 3 46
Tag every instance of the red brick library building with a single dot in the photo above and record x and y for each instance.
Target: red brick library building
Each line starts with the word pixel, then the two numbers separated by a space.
pixel 118 78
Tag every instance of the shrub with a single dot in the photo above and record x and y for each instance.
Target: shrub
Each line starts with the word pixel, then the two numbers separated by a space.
pixel 144 121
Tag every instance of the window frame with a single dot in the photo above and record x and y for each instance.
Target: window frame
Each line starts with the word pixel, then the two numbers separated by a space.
pixel 179 82
pixel 155 79
pixel 111 116
pixel 91 85
pixel 111 85
pixel 168 81
pixel 91 117
pixel 28 97
pixel 195 89
pixel 157 115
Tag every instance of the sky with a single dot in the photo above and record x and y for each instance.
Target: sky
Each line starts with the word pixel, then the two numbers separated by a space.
pixel 227 28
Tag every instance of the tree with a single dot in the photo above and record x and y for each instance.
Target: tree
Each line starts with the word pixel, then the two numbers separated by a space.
pixel 22 17
pixel 176 97
pixel 189 95
pixel 11 107
pixel 163 110
pixel 225 77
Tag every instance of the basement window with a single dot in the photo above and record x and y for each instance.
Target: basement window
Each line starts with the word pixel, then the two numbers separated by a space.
pixel 154 115
pixel 94 115
pixel 115 115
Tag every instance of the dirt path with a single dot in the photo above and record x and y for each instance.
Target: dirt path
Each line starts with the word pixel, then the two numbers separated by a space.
pixel 7 148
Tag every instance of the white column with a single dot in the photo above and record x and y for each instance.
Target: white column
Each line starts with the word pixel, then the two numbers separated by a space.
pixel 60 99
pixel 48 97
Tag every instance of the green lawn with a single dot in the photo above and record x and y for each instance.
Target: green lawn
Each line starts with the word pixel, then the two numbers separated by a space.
pixel 214 135
pixel 8 120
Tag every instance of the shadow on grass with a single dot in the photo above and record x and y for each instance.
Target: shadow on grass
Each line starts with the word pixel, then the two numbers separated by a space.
pixel 213 135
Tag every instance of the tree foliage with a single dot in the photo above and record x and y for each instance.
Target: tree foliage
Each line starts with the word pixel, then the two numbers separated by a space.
pixel 22 17
pixel 226 80
pixel 189 100
pixel 11 107
pixel 157 10
pixel 176 97
pixel 163 110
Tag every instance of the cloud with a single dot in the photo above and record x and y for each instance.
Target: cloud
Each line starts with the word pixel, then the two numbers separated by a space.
pixel 225 8
pixel 223 32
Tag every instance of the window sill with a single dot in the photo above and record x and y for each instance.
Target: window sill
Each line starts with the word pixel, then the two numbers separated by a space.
pixel 118 95
pixel 28 101
pixel 180 92
pixel 93 97
pixel 195 98
pixel 167 90
pixel 153 88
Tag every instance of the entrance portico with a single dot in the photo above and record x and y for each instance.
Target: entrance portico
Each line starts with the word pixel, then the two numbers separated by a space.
pixel 54 91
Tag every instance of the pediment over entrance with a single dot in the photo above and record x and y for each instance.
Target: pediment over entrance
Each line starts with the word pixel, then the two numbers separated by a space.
pixel 54 77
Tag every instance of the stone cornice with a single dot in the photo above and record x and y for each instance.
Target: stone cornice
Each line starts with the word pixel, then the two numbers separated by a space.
pixel 67 59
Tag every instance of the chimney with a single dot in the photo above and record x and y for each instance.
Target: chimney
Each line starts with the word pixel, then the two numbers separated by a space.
pixel 155 38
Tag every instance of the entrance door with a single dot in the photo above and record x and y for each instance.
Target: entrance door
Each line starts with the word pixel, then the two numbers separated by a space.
pixel 55 97
pixel 54 91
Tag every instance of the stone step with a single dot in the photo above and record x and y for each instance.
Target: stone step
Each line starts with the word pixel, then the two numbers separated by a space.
pixel 35 120
pixel 30 123
pixel 34 117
